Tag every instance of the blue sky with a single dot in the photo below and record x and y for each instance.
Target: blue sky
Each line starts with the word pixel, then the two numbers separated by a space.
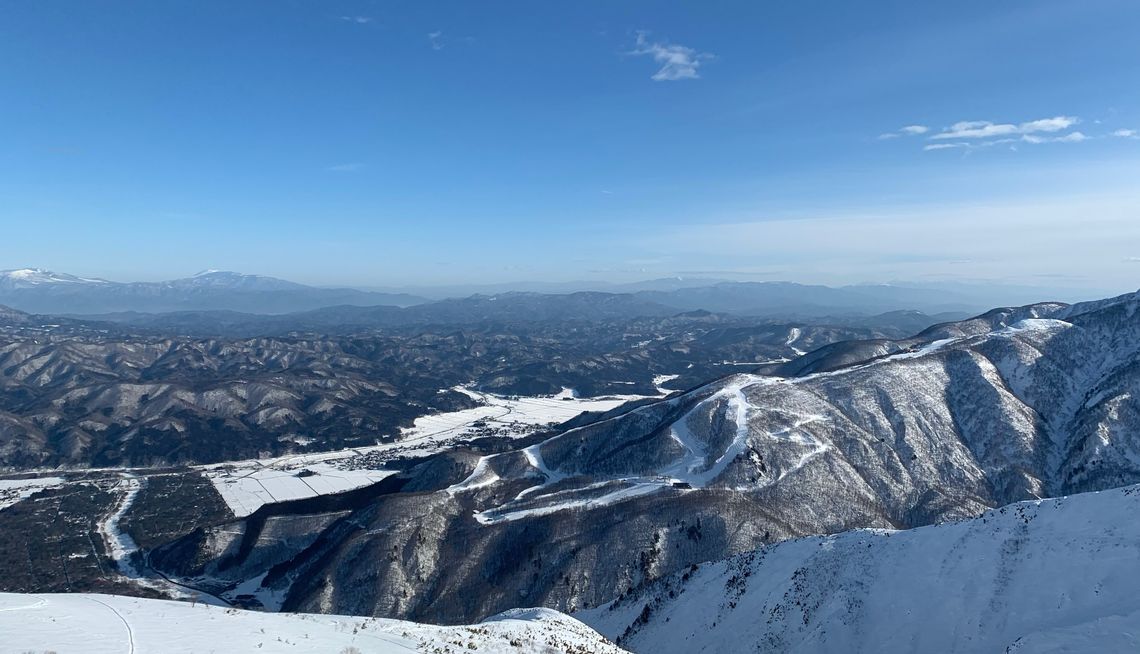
pixel 385 143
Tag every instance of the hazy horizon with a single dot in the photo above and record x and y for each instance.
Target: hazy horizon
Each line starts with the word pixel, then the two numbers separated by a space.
pixel 982 293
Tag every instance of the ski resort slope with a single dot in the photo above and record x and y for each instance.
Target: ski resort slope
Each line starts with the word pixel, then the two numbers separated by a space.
pixel 112 624
pixel 1048 576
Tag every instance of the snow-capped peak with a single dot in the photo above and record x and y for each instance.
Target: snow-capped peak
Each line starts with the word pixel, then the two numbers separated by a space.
pixel 27 277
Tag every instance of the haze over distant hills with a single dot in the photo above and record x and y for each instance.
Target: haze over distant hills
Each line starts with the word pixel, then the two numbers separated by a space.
pixel 41 291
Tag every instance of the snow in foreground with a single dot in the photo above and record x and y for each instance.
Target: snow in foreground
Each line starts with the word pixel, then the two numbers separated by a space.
pixel 113 624
pixel 1050 576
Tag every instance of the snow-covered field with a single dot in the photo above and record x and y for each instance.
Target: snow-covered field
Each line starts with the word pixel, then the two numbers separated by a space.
pixel 509 416
pixel 14 490
pixel 1045 576
pixel 248 485
pixel 111 624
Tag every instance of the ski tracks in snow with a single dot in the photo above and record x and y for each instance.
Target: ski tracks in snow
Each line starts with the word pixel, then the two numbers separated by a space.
pixel 130 632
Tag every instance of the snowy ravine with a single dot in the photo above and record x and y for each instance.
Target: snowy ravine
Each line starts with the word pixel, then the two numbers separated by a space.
pixel 1047 576
pixel 112 624
pixel 121 548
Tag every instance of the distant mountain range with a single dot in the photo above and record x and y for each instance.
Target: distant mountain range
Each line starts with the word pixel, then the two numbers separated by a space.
pixel 43 291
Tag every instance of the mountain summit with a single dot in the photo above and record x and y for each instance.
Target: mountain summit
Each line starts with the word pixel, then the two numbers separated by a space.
pixel 33 277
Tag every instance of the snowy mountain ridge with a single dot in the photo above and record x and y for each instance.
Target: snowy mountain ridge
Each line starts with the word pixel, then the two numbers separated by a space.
pixel 1041 576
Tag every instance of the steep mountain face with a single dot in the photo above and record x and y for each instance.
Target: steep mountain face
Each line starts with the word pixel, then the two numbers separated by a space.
pixel 43 291
pixel 1012 405
pixel 1050 576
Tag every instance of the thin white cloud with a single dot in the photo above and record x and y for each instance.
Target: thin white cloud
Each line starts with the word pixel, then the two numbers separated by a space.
pixel 359 20
pixel 975 129
pixel 909 130
pixel 1126 133
pixel 982 129
pixel 976 134
pixel 345 168
pixel 1055 124
pixel 1033 139
pixel 436 40
pixel 677 61
pixel 1071 137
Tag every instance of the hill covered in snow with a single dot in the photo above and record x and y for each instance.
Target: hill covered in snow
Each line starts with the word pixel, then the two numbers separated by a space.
pixel 112 624
pixel 1043 576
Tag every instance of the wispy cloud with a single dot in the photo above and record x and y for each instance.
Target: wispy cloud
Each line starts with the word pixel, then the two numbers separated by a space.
pixel 677 61
pixel 359 20
pixel 1071 137
pixel 981 129
pixel 436 40
pixel 909 130
pixel 978 134
pixel 345 168
pixel 944 146
pixel 1126 133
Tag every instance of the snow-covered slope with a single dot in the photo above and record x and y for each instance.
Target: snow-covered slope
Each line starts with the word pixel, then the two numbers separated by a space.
pixel 1020 405
pixel 1050 576
pixel 113 624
